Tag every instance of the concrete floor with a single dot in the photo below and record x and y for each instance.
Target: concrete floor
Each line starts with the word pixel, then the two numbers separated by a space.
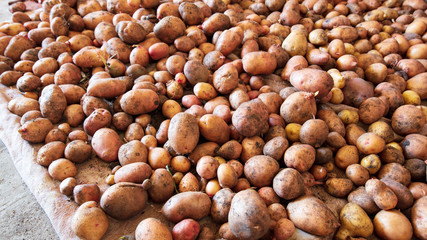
pixel 21 216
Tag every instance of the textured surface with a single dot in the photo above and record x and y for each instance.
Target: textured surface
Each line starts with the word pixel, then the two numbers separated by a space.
pixel 21 216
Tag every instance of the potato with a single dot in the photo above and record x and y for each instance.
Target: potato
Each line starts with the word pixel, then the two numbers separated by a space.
pixel 186 229
pixel 214 128
pixel 357 174
pixel 169 28
pixel 61 169
pixel 35 131
pixel 407 119
pixel 52 103
pixel 242 222
pixel 362 198
pixel 314 132
pixel 338 187
pixel 131 152
pixel 188 183
pixel 353 93
pixel 50 152
pixel 17 45
pixel 417 84
pixel 418 213
pixel 74 115
pixel 416 168
pixel 89 221
pixel 259 62
pixel 30 115
pixel 152 228
pixel 183 126
pixel 386 222
pixel 227 42
pixel 260 170
pixel 304 80
pixel 275 147
pixel 195 205
pixel 78 151
pixel 382 195
pixel 207 167
pixel 158 157
pixel 130 32
pixel 288 184
pixel 98 119
pixel 301 157
pixel 86 192
pixel 139 101
pixel 22 105
pixel 355 222
pixel 162 186
pixel 203 149
pixel 221 203
pixel 295 43
pixel 106 144
pixel 9 78
pixel 216 22
pixel 67 186
pixel 73 93
pixel 413 145
pixel 124 200
pixel 133 172
pixel 90 57
pixel 55 135
pixel 298 107
pixel 312 215
pixel 370 143
pixel 225 79
pixel 250 118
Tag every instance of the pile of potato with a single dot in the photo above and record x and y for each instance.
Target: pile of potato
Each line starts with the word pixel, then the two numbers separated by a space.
pixel 234 110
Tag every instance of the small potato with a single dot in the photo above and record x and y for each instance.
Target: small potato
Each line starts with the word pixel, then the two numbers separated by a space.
pixel 134 132
pixel 86 192
pixel 55 135
pixel 158 158
pixel 61 169
pixel 314 132
pixel 207 167
pixel 404 196
pixel 9 78
pixel 258 62
pixel 214 128
pixel 227 176
pixel 189 183
pixel 276 147
pixel 139 101
pixel 346 156
pixel 30 115
pixel 131 152
pixel 78 151
pixel 338 187
pixel 74 115
pixel 98 119
pixel 186 229
pixel 370 143
pixel 67 186
pixel 169 28
pixel 413 146
pixel 89 221
pixel 183 126
pixel 225 79
pixel 416 168
pixel 204 91
pixel 152 228
pixel 50 152
pixel 298 107
pixel 106 144
pixel 357 174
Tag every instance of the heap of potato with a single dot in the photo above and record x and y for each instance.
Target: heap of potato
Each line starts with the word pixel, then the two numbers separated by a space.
pixel 233 109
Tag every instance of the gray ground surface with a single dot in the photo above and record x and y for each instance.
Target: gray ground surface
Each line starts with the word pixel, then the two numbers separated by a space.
pixel 21 216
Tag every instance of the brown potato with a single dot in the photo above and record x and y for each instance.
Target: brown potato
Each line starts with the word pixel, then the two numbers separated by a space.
pixel 288 184
pixel 250 118
pixel 407 119
pixel 35 131
pixel 162 186
pixel 260 170
pixel 139 101
pixel 78 151
pixel 338 187
pixel 135 172
pixel 106 144
pixel 214 128
pixel 276 147
pixel 386 222
pixel 300 156
pixel 195 205
pixel 183 126
pixel 298 107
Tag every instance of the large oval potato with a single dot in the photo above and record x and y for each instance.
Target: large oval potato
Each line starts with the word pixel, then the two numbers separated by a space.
pixel 133 172
pixel 221 203
pixel 288 184
pixel 195 205
pixel 248 217
pixel 183 133
pixel 260 170
pixel 312 80
pixel 123 200
pixel 52 103
pixel 162 185
pixel 250 118
pixel 35 131
pixel 312 215
pixel 259 62
pixel 419 216
pixel 106 144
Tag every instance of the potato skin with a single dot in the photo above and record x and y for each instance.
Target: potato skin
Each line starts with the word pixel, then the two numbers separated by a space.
pixel 382 195
pixel 106 143
pixel 311 215
pixel 123 200
pixel 169 28
pixel 106 88
pixel 183 133
pixel 152 228
pixel 248 217
pixel 139 101
pixel 162 186
pixel 260 170
pixel 298 107
pixel 21 105
pixel 52 103
pixel 195 205
pixel 89 221
pixel 404 196
pixel 214 128
pixel 361 198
